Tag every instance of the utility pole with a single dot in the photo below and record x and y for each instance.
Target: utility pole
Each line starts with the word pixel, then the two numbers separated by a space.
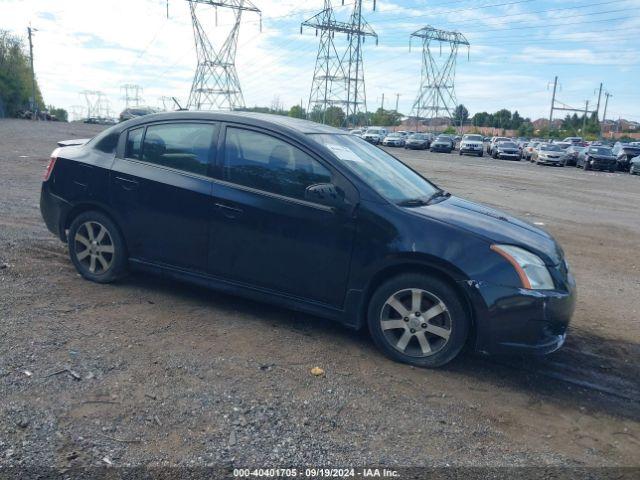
pixel 599 97
pixel 553 100
pixel 382 104
pixel 34 105
pixel 584 120
pixel 397 100
pixel 606 104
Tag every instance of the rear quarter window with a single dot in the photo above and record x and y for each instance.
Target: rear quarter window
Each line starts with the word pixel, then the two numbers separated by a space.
pixel 108 143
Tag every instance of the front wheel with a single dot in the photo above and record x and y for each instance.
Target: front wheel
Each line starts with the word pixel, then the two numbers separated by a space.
pixel 418 319
pixel 97 248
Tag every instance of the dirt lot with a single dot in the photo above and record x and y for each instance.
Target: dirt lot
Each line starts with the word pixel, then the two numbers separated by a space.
pixel 170 374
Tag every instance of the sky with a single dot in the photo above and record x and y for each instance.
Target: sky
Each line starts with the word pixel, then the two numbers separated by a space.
pixel 517 47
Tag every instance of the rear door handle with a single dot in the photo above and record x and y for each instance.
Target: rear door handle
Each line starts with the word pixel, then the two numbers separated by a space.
pixel 229 211
pixel 126 183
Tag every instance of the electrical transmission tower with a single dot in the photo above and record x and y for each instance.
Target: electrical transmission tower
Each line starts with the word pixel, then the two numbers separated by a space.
pixel 215 84
pixel 97 103
pixel 338 80
pixel 436 96
pixel 78 112
pixel 132 95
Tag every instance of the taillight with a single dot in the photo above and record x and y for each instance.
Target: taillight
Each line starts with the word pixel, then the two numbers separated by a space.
pixel 52 162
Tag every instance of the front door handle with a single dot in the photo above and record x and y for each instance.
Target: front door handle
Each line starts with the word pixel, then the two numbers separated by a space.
pixel 126 183
pixel 229 211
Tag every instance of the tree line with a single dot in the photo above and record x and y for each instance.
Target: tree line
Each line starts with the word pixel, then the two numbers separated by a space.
pixel 15 80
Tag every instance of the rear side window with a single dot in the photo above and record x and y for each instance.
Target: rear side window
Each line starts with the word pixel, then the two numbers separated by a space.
pixel 134 144
pixel 184 146
pixel 267 163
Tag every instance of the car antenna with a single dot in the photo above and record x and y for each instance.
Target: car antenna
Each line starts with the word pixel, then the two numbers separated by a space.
pixel 178 104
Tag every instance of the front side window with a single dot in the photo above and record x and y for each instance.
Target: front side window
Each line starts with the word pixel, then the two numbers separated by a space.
pixel 263 162
pixel 134 144
pixel 183 146
pixel 389 177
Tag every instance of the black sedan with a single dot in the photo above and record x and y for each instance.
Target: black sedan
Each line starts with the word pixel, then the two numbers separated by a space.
pixel 624 153
pixel 442 143
pixel 314 219
pixel 418 141
pixel 597 158
pixel 507 151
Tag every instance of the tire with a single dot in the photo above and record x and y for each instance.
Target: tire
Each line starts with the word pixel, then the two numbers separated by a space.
pixel 586 166
pixel 481 154
pixel 98 255
pixel 445 331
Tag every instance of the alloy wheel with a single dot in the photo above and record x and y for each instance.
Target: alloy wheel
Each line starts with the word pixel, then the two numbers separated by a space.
pixel 416 322
pixel 93 247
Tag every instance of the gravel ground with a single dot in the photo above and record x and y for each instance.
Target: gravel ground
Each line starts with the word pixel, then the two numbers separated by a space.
pixel 152 372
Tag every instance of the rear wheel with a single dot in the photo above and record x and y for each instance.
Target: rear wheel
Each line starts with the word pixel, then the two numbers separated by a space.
pixel 418 319
pixel 96 247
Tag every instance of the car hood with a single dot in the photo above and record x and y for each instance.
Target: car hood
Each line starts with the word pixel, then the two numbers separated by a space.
pixel 493 225
pixel 602 157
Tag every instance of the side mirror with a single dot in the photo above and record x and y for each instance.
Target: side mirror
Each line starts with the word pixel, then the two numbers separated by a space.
pixel 325 194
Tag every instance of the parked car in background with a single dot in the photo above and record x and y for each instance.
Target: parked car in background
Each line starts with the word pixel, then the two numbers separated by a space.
pixel 133 112
pixel 572 153
pixel 418 141
pixel 375 135
pixel 506 151
pixel 308 217
pixel 471 144
pixel 624 152
pixel 549 154
pixel 564 145
pixel 357 132
pixel 574 140
pixel 442 143
pixel 634 169
pixel 494 142
pixel 597 158
pixel 394 139
pixel 527 151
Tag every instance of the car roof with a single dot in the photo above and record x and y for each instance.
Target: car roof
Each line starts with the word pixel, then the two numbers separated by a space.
pixel 249 118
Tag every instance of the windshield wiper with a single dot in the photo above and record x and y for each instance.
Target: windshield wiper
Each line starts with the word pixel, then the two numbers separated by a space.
pixel 422 201
pixel 414 202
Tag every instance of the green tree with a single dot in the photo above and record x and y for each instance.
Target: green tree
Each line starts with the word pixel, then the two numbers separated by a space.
pixel 502 119
pixel 15 75
pixel 60 113
pixel 460 115
pixel 297 112
pixel 385 118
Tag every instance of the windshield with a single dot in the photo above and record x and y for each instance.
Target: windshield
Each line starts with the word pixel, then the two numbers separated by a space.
pixel 472 138
pixel 551 148
pixel 373 131
pixel 507 145
pixel 600 150
pixel 394 135
pixel 387 176
pixel 443 138
pixel 418 136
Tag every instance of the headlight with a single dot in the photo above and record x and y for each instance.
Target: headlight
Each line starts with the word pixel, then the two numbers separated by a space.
pixel 531 269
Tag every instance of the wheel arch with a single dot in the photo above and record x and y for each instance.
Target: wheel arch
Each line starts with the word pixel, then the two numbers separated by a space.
pixel 423 267
pixel 67 220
